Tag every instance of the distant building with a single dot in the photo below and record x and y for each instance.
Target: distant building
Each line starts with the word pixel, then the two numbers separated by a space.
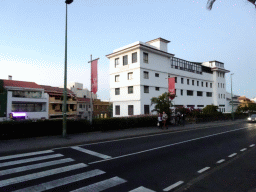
pixel 22 100
pixel 229 102
pixel 83 99
pixel 56 102
pixel 140 71
pixel 101 109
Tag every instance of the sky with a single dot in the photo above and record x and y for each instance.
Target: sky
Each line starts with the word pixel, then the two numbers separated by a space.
pixel 32 37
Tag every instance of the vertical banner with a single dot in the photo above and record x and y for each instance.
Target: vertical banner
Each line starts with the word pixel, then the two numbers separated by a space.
pixel 171 86
pixel 94 76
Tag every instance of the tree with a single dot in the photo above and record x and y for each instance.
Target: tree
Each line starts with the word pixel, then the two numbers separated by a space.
pixel 162 103
pixel 211 2
pixel 210 109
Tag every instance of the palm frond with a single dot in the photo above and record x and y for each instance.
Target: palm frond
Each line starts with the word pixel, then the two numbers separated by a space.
pixel 210 4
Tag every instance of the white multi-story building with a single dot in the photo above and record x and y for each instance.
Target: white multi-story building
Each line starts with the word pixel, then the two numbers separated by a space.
pixel 140 71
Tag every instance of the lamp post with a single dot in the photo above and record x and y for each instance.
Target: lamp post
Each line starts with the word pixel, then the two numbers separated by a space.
pixel 64 129
pixel 232 113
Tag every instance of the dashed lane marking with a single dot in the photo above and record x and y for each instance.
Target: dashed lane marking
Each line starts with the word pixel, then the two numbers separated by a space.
pixel 203 170
pixel 220 161
pixel 232 155
pixel 243 149
pixel 252 145
pixel 173 186
pixel 91 152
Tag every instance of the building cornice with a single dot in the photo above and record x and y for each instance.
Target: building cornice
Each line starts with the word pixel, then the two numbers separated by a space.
pixel 220 69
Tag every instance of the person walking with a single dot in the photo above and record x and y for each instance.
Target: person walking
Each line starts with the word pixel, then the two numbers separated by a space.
pixel 160 120
pixel 165 117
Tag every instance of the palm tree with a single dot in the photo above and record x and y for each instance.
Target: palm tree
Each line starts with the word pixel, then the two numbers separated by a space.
pixel 211 2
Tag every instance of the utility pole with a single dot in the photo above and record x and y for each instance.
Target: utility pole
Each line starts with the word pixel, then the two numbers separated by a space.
pixel 232 113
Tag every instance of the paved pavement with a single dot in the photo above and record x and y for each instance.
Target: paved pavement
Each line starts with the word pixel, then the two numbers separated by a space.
pixel 42 143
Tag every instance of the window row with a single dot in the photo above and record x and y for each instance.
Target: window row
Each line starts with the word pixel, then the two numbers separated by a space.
pixel 134 59
pixel 130 90
pixel 193 82
pixel 131 109
pixel 220 74
pixel 186 65
pixel 130 76
pixel 198 93
pixel 221 85
pixel 220 96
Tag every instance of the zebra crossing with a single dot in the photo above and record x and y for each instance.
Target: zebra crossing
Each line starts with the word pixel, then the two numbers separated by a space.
pixel 25 173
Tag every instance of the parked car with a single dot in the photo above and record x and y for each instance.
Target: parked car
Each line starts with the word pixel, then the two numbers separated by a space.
pixel 252 118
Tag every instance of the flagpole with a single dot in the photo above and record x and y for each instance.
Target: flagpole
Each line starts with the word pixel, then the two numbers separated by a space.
pixel 91 95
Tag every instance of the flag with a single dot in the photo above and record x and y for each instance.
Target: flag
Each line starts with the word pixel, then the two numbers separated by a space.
pixel 94 76
pixel 171 86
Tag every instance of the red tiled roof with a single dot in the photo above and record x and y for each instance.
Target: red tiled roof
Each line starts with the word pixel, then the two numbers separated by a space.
pixel 83 99
pixel 12 83
pixel 55 90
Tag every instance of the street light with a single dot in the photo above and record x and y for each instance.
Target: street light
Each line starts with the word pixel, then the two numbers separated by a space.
pixel 232 113
pixel 64 130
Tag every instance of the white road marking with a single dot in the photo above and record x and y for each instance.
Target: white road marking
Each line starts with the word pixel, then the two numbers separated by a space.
pixel 232 155
pixel 40 174
pixel 35 166
pixel 91 152
pixel 220 161
pixel 173 186
pixel 29 160
pixel 141 189
pixel 25 154
pixel 252 145
pixel 203 170
pixel 243 149
pixel 62 181
pixel 165 146
pixel 102 185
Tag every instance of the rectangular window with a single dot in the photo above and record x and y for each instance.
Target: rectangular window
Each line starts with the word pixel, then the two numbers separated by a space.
pixel 218 84
pixel 193 81
pixel 206 84
pixel 156 74
pixel 146 109
pixel 145 57
pixel 223 85
pixel 146 89
pixel 181 92
pixel 181 80
pixel 200 105
pixel 130 109
pixel 175 79
pixel 117 91
pixel 134 57
pixel 202 83
pixel 199 93
pixel 188 81
pixel 210 85
pixel 145 75
pixel 130 89
pixel 189 93
pixel 117 78
pixel 117 109
pixel 125 60
pixel 157 88
pixel 130 75
pixel 197 83
pixel 224 96
pixel 80 106
pixel 116 62
pixel 208 94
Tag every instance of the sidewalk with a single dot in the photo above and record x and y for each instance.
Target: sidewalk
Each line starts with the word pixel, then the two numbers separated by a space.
pixel 43 143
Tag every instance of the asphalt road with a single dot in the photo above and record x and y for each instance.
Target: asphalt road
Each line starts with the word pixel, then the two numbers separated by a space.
pixel 209 159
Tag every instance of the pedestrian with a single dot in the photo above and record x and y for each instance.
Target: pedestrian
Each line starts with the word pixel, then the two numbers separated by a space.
pixel 165 117
pixel 160 120
pixel 179 118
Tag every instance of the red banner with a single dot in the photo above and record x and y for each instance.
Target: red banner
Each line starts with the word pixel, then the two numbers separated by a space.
pixel 94 76
pixel 171 86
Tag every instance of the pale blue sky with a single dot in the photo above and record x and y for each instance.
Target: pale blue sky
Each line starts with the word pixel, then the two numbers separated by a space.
pixel 32 35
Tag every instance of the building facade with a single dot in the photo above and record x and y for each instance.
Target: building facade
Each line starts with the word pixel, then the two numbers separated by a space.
pixel 140 71
pixel 56 102
pixel 22 100
pixel 101 109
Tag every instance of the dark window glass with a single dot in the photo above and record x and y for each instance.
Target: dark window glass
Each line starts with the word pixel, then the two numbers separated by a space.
pixel 117 91
pixel 125 60
pixel 116 62
pixel 146 109
pixel 189 92
pixel 157 88
pixel 175 79
pixel 181 92
pixel 193 81
pixel 134 57
pixel 130 89
pixel 199 93
pixel 130 109
pixel 197 83
pixel 117 109
pixel 145 57
pixel 156 74
pixel 146 89
pixel 181 80
pixel 209 94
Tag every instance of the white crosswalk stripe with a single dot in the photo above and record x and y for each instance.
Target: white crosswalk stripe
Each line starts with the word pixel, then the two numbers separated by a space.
pixel 29 160
pixel 102 185
pixel 40 174
pixel 25 154
pixel 35 166
pixel 141 189
pixel 62 181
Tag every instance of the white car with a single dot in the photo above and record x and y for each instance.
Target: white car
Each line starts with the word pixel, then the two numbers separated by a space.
pixel 252 118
